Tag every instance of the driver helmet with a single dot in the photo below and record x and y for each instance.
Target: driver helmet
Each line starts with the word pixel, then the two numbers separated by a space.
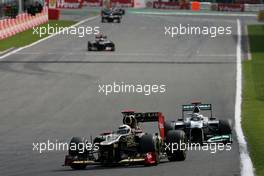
pixel 100 36
pixel 196 116
pixel 124 129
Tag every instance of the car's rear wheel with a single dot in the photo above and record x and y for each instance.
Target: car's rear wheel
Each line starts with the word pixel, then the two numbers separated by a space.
pixel 168 125
pixel 175 138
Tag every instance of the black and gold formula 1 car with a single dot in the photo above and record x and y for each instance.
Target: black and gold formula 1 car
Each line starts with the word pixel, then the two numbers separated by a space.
pixel 127 145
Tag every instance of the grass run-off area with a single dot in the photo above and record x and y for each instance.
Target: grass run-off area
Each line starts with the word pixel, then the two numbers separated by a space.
pixel 253 98
pixel 27 37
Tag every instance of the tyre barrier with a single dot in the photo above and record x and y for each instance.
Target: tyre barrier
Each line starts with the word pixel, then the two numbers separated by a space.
pixel 22 22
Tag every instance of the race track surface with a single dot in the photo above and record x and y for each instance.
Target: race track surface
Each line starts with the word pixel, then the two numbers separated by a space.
pixel 50 91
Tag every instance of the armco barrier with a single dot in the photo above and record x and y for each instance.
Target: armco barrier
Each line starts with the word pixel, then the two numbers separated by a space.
pixel 93 3
pixel 119 3
pixel 170 5
pixel 139 4
pixel 70 4
pixel 254 7
pixel 206 5
pixel 122 3
pixel 231 7
pixel 10 27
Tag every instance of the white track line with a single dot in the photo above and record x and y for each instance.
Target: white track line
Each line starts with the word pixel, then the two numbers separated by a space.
pixel 248 44
pixel 197 14
pixel 41 40
pixel 246 163
pixel 125 54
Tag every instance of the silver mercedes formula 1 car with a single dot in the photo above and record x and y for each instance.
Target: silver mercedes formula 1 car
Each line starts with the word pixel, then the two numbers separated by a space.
pixel 199 128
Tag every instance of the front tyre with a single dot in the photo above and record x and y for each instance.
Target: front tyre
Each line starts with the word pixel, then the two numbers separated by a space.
pixel 148 145
pixel 78 166
pixel 224 127
pixel 79 154
pixel 175 138
pixel 112 47
pixel 89 46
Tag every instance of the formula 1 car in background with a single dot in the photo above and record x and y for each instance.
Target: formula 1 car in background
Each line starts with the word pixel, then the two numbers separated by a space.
pixel 101 44
pixel 119 10
pixel 110 15
pixel 128 144
pixel 201 129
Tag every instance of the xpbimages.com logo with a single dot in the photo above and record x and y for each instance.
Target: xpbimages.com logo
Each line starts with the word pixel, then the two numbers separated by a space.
pixel 211 31
pixel 79 31
pixel 211 147
pixel 52 146
pixel 121 88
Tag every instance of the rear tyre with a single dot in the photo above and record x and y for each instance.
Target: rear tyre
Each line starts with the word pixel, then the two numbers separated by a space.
pixel 167 127
pixel 176 137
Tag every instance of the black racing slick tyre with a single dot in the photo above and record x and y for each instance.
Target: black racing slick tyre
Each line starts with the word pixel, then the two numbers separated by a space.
pixel 75 141
pixel 224 127
pixel 78 166
pixel 174 139
pixel 113 47
pixel 147 144
pixel 168 125
pixel 89 46
pixel 118 20
pixel 77 148
pixel 74 152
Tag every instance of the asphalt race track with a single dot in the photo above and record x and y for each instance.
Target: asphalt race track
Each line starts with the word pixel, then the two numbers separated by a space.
pixel 50 91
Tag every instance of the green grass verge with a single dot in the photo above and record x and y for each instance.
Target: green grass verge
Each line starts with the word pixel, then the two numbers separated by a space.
pixel 27 37
pixel 253 97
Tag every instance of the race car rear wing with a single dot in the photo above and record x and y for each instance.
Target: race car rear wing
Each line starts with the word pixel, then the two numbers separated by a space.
pixel 193 106
pixel 149 117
